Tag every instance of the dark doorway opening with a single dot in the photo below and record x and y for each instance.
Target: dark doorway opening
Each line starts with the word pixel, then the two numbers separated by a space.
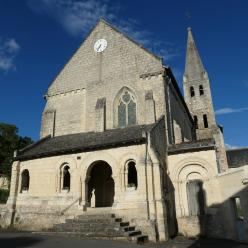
pixel 132 175
pixel 101 186
pixel 67 178
pixel 25 181
pixel 196 199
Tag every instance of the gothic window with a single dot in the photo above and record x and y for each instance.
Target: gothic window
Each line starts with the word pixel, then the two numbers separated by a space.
pixel 201 90
pixel 126 109
pixel 205 121
pixel 132 175
pixel 196 121
pixel 66 178
pixel 25 181
pixel 192 91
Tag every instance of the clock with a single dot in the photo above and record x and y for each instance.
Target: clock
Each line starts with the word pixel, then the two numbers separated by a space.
pixel 100 45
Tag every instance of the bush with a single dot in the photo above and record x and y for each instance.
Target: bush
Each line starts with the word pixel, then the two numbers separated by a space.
pixel 4 194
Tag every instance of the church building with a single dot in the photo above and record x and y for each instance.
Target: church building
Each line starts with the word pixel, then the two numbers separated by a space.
pixel 119 139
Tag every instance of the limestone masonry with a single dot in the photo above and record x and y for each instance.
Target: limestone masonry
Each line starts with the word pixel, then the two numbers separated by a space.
pixel 118 139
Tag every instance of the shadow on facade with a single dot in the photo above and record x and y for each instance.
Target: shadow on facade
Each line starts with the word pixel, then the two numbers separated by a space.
pixel 227 220
pixel 171 210
pixel 19 242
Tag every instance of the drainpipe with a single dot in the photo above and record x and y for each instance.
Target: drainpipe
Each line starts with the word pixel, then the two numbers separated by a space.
pixel 146 179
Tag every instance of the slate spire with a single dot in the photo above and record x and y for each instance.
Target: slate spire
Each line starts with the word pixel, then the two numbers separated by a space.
pixel 194 69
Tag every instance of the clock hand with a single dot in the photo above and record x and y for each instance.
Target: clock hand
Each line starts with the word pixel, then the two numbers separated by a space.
pixel 99 47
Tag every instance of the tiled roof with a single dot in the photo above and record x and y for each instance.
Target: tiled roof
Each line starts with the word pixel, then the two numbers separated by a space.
pixel 80 142
pixel 197 145
pixel 237 157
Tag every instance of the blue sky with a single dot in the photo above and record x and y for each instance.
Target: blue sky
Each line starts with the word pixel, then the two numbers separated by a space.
pixel 37 37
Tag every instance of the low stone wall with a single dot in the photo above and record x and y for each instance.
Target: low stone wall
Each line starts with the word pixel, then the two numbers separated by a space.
pixel 190 226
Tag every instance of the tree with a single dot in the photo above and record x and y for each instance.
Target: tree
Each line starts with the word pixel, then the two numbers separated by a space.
pixel 9 142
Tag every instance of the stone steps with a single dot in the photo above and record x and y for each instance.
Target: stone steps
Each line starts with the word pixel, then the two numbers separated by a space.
pixel 99 226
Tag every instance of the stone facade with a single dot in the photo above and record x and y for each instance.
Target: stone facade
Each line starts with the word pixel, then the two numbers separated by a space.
pixel 117 135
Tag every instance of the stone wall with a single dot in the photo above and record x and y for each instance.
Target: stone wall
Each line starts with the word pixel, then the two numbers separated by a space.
pixel 182 125
pixel 46 198
pixel 219 220
pixel 183 168
pixel 89 76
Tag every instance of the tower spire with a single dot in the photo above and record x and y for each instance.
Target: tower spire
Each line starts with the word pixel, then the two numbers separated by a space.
pixel 197 90
pixel 197 93
pixel 194 69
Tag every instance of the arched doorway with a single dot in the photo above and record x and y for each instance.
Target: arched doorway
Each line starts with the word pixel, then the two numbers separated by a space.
pixel 101 186
pixel 195 194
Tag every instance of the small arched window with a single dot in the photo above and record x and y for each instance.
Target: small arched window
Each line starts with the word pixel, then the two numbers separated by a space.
pixel 192 91
pixel 132 181
pixel 201 90
pixel 25 180
pixel 66 178
pixel 126 109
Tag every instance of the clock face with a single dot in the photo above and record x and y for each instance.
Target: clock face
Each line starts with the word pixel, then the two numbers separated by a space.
pixel 100 45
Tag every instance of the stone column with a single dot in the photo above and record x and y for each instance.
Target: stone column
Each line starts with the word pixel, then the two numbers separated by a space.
pixel 84 188
pixel 11 203
pixel 161 212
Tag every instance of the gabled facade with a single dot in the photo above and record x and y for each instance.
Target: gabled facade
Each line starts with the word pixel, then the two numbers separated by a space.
pixel 117 135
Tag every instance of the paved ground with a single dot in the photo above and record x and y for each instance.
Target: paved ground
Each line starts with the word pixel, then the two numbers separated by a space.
pixel 23 240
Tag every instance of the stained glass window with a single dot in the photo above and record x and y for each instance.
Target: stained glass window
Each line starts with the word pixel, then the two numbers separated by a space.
pixel 122 114
pixel 126 109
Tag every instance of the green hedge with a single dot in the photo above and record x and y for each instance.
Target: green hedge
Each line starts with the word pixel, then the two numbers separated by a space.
pixel 4 194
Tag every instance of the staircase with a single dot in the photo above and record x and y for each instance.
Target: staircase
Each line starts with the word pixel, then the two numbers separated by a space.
pixel 99 226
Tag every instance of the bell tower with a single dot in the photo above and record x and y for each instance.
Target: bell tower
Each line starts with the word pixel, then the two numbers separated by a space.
pixel 197 91
pixel 197 94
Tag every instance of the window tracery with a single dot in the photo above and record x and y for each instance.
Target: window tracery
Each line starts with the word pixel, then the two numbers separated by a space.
pixel 126 109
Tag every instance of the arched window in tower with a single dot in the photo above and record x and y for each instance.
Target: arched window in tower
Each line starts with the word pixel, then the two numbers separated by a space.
pixel 201 90
pixel 196 121
pixel 205 121
pixel 132 181
pixel 192 91
pixel 25 181
pixel 66 178
pixel 126 109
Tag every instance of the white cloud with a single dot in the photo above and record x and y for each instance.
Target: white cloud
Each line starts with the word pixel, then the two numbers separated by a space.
pixel 230 111
pixel 77 17
pixel 230 147
pixel 8 51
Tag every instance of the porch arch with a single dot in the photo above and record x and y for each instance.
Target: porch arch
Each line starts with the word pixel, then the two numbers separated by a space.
pixel 99 185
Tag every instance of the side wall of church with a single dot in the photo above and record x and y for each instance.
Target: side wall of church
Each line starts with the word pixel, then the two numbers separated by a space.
pixel 182 125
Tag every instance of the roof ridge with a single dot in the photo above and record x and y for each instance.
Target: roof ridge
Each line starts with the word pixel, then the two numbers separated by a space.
pixel 101 19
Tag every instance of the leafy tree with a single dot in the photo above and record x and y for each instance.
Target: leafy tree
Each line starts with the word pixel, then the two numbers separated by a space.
pixel 9 142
